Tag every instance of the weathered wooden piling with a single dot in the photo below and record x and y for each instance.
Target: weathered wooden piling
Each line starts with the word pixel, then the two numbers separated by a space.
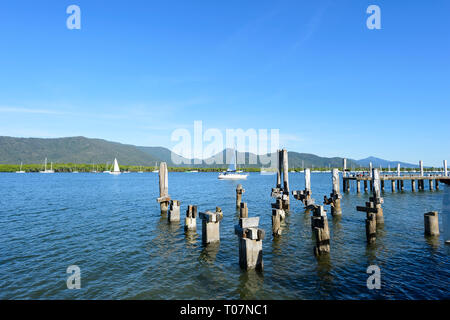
pixel 398 170
pixel 402 185
pixel 305 195
pixel 335 196
pixel 413 185
pixel 365 186
pixel 382 185
pixel 431 221
pixel 278 214
pixel 393 185
pixel 190 222
pixel 243 210
pixel 358 186
pixel 437 184
pixel 319 225
pixel 431 185
pixel 174 212
pixel 421 168
pixel 164 197
pixel 239 192
pixel 374 203
pixel 282 190
pixel 250 243
pixel 371 227
pixel 344 172
pixel 445 168
pixel 211 225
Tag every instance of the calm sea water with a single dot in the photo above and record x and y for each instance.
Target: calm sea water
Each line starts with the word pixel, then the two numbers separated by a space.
pixel 110 226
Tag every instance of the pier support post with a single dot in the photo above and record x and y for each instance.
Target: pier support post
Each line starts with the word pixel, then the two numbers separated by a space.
pixel 431 221
pixel 393 185
pixel 286 200
pixel 278 214
pixel 164 197
pixel 373 206
pixel 319 224
pixel 371 227
pixel 211 225
pixel 382 185
pixel 190 222
pixel 243 210
pixel 335 196
pixel 421 185
pixel 174 212
pixel 437 184
pixel 250 243
pixel 239 192
pixel 305 195
pixel 430 182
pixel 445 168
pixel 371 185
pixel 421 168
pixel 358 186
pixel 413 185
pixel 402 185
pixel 365 185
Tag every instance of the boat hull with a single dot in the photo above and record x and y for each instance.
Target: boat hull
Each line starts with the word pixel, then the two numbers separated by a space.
pixel 232 176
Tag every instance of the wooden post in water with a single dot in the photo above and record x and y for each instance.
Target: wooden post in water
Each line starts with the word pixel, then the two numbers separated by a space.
pixel 371 227
pixel 190 222
pixel 335 196
pixel 164 197
pixel 393 185
pixel 250 243
pixel 430 182
pixel 437 184
pixel 445 168
pixel 278 214
pixel 413 185
pixel 382 185
pixel 305 195
pixel 344 173
pixel 398 170
pixel 211 225
pixel 374 212
pixel 239 192
pixel 431 221
pixel 358 186
pixel 421 168
pixel 286 200
pixel 319 225
pixel 243 210
pixel 365 185
pixel 174 212
pixel 402 185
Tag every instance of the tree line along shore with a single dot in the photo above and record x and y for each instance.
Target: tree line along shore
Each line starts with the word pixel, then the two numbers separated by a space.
pixel 71 167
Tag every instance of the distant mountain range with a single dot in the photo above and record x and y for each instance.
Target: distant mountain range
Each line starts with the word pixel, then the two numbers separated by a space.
pixel 86 150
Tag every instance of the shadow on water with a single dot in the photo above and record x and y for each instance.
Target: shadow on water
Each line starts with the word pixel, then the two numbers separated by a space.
pixel 433 242
pixel 250 284
pixel 324 268
pixel 209 253
pixel 191 237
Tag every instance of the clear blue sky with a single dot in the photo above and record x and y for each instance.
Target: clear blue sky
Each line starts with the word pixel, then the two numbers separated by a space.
pixel 137 70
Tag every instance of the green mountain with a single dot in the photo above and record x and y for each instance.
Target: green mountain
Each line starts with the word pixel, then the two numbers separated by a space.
pixel 86 150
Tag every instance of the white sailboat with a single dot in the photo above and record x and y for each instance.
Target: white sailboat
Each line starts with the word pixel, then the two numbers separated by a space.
pixel 231 173
pixel 20 171
pixel 45 167
pixel 116 169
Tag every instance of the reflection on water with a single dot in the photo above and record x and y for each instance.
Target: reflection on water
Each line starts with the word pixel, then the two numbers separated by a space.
pixel 112 228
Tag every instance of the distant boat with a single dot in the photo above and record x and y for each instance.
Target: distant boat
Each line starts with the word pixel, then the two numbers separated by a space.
pixel 75 171
pixel 231 173
pixel 106 167
pixel 156 168
pixel 264 171
pixel 20 171
pixel 116 169
pixel 140 170
pixel 45 167
pixel 192 171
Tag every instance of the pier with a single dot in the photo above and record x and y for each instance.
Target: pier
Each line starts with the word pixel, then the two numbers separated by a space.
pixel 396 182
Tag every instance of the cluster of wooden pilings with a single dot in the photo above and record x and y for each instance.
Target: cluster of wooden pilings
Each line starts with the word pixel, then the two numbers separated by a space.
pixel 373 209
pixel 250 236
pixel 305 195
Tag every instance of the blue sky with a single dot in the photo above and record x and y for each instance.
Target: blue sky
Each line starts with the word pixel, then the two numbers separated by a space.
pixel 137 70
